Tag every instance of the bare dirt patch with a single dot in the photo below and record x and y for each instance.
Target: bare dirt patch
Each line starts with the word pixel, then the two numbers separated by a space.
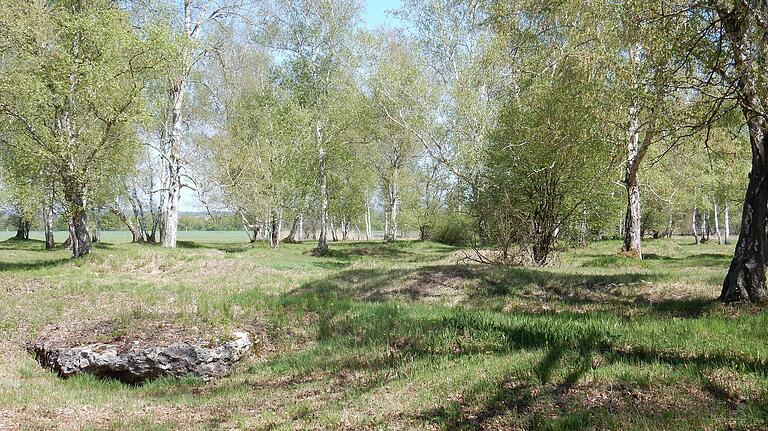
pixel 16 287
pixel 445 284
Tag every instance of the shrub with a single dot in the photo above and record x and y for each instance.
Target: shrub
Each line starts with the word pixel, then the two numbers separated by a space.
pixel 452 229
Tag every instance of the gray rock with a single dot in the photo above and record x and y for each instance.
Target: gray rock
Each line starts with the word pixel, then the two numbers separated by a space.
pixel 138 364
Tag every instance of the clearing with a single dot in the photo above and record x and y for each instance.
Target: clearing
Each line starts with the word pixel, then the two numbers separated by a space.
pixel 392 337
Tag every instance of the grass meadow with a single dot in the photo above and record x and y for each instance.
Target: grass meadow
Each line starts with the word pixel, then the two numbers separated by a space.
pixel 397 336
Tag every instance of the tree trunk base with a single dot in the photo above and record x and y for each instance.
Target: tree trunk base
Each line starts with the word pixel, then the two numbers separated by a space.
pixel 22 233
pixel 320 252
pixel 631 254
pixel 745 282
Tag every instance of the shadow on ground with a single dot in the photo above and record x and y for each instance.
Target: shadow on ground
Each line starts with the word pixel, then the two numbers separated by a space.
pixel 512 289
pixel 571 344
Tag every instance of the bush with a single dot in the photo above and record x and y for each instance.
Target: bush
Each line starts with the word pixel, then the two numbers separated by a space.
pixel 452 229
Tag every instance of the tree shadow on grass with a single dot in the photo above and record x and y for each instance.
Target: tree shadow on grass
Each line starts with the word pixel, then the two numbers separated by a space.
pixel 476 286
pixel 345 254
pixel 512 398
pixel 570 342
pixel 504 281
pixel 32 265
pixel 476 408
pixel 701 260
pixel 401 251
pixel 349 284
pixel 508 396
pixel 332 264
pixel 225 247
pixel 655 257
pixel 47 260
pixel 103 246
pixel 22 244
pixel 516 404
pixel 624 293
pixel 613 292
pixel 683 307
pixel 190 245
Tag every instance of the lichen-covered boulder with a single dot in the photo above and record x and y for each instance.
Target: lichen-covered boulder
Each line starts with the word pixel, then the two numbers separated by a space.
pixel 140 362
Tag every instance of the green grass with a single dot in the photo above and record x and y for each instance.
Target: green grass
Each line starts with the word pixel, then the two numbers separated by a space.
pixel 394 337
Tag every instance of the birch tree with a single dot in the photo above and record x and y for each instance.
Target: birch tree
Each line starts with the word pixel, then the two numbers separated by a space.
pixel 455 40
pixel 195 24
pixel 71 85
pixel 258 159
pixel 643 55
pixel 397 86
pixel 313 38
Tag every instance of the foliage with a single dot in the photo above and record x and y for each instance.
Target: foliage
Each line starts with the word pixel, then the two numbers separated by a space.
pixel 452 229
pixel 547 162
pixel 71 89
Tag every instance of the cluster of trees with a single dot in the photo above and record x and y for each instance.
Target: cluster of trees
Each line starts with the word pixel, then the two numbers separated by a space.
pixel 526 125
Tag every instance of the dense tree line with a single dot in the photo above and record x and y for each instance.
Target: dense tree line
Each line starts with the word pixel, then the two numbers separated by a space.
pixel 515 128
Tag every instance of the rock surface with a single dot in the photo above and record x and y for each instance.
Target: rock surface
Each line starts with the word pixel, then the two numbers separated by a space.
pixel 135 364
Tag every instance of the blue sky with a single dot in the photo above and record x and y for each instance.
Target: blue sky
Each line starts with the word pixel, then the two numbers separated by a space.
pixel 374 14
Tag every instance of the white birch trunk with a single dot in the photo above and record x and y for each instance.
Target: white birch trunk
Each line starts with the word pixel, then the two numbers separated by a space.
pixel 171 222
pixel 173 158
pixel 386 225
pixel 274 229
pixel 632 229
pixel 717 225
pixel 301 228
pixel 49 240
pixel 368 233
pixel 322 241
pixel 693 227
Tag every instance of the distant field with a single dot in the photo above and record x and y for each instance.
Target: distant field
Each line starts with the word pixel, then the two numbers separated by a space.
pixel 121 237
